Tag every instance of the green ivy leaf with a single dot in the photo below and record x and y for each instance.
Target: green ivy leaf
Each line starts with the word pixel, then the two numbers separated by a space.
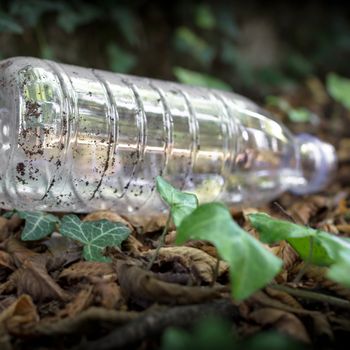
pixel 95 235
pixel 191 77
pixel 327 249
pixel 251 265
pixel 339 88
pixel 37 224
pixel 181 203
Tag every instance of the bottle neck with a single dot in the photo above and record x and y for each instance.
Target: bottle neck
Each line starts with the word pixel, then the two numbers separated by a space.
pixel 317 163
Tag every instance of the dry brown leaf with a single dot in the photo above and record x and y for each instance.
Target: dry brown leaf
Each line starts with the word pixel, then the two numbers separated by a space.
pixel 140 284
pixel 288 255
pixel 32 278
pixel 344 228
pixel 317 274
pixel 92 317
pixel 321 327
pixel 87 269
pixel 17 319
pixel 304 209
pixel 107 215
pixel 82 300
pixel 108 295
pixel 203 245
pixel 18 251
pixel 283 297
pixel 282 321
pixel 148 223
pixel 195 259
pixel 132 245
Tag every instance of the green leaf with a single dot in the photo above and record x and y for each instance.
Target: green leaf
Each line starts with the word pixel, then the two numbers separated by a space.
pixel 299 115
pixel 299 237
pixel 339 88
pixel 190 77
pixel 204 17
pixel 188 42
pixel 181 203
pixel 251 265
pixel 120 60
pixel 327 249
pixel 95 235
pixel 37 224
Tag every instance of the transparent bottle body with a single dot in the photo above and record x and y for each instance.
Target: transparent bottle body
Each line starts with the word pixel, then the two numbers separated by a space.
pixel 78 139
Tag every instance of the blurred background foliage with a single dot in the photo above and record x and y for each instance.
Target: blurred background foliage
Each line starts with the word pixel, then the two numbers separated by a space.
pixel 253 47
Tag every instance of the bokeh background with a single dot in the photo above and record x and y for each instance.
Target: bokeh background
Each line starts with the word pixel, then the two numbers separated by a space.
pixel 281 54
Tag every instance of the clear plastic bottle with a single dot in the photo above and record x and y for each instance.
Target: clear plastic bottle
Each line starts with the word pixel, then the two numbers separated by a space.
pixel 78 139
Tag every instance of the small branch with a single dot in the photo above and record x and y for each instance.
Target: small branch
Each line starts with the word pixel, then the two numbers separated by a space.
pixel 161 242
pixel 155 322
pixel 310 295
pixel 284 212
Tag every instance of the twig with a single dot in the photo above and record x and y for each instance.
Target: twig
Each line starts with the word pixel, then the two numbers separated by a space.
pixel 154 322
pixel 307 294
pixel 284 212
pixel 161 242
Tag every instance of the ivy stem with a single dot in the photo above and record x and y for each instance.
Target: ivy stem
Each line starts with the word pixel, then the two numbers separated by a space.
pixel 302 271
pixel 161 242
pixel 216 271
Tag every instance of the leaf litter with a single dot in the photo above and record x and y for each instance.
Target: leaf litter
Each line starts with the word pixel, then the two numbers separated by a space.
pixel 48 288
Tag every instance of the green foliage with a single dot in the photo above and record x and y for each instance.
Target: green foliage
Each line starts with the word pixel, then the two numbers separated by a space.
pixel 251 265
pixel 186 41
pixel 296 115
pixel 95 235
pixel 204 17
pixel 120 60
pixel 315 246
pixel 339 88
pixel 215 333
pixel 190 77
pixel 37 224
pixel 9 24
pixel 181 203
pixel 208 333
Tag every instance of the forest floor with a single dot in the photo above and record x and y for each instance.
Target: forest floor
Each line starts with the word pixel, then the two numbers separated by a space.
pixel 50 298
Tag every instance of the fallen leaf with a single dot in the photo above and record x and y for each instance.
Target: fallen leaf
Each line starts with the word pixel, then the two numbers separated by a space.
pixel 322 328
pixel 81 301
pixel 85 321
pixel 32 278
pixel 283 297
pixel 288 255
pixel 139 284
pixel 108 295
pixel 85 269
pixel 17 319
pixel 203 264
pixel 282 321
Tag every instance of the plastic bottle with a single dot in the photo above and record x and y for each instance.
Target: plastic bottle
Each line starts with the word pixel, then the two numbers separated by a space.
pixel 77 139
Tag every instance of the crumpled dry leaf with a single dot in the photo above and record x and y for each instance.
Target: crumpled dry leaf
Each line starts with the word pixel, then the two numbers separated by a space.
pixel 148 223
pixel 282 321
pixel 85 320
pixel 107 215
pixel 321 327
pixel 142 285
pixel 285 252
pixel 6 265
pixel 283 297
pixel 108 295
pixel 87 269
pixel 18 319
pixel 18 251
pixel 195 259
pixel 62 251
pixel 32 278
pixel 317 274
pixel 302 211
pixel 82 300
